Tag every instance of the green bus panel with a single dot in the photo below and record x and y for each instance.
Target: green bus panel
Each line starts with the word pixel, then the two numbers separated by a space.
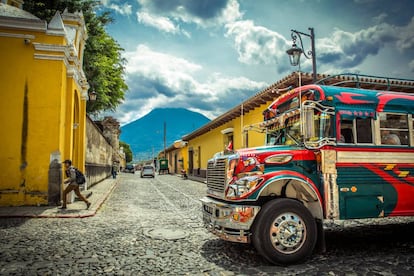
pixel 361 193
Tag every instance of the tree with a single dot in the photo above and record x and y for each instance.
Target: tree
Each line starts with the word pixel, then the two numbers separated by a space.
pixel 103 63
pixel 127 150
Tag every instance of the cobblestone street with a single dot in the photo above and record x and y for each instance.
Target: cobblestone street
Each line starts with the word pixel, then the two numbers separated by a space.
pixel 154 227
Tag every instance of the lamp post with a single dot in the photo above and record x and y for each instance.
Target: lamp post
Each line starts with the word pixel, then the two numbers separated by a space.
pixel 295 52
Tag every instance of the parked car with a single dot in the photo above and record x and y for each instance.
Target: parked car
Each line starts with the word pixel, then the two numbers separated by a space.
pixel 130 168
pixel 148 170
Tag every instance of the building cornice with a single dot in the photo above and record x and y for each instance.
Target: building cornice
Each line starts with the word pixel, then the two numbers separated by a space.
pixel 23 23
pixel 51 52
pixel 13 35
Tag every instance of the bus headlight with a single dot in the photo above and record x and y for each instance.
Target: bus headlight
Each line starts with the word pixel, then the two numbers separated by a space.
pixel 243 186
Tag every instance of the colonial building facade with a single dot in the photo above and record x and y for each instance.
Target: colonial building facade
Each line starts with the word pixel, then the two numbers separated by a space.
pixel 43 102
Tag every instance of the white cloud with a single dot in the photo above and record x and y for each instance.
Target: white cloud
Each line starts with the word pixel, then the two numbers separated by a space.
pixel 411 66
pixel 125 9
pixel 159 80
pixel 256 44
pixel 224 39
pixel 231 13
pixel 405 36
pixel 380 18
pixel 202 13
pixel 170 70
pixel 342 50
pixel 161 23
pixel 348 50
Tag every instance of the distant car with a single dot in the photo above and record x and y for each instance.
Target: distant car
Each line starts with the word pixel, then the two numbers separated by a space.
pixel 129 169
pixel 148 170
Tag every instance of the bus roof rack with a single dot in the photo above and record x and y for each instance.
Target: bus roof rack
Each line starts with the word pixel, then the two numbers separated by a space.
pixel 368 82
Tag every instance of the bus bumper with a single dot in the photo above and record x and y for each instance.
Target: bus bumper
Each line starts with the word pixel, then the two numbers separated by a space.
pixel 230 222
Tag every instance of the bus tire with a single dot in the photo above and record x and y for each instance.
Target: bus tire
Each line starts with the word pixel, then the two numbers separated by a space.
pixel 285 232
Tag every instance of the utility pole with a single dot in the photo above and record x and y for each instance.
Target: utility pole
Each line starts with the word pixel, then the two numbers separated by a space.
pixel 165 138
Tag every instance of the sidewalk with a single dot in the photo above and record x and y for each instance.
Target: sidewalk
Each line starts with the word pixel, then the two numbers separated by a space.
pixel 198 179
pixel 98 194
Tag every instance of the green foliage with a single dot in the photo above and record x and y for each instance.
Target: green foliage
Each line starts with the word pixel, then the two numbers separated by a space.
pixel 127 150
pixel 102 63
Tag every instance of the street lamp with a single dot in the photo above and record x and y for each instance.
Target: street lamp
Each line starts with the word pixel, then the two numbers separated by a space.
pixel 295 52
pixel 92 95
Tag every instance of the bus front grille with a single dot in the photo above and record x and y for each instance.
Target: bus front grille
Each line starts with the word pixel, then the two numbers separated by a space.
pixel 216 176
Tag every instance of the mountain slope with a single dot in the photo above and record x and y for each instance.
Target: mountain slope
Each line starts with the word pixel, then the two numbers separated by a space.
pixel 146 135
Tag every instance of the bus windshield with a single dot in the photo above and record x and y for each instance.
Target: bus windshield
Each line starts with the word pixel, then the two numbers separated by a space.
pixel 283 122
pixel 318 124
pixel 286 134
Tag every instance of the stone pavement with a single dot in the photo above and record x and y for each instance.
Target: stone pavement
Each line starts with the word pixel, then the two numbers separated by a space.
pixel 96 194
pixel 154 226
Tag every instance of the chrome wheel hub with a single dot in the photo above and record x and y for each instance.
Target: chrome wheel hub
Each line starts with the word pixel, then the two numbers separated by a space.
pixel 288 233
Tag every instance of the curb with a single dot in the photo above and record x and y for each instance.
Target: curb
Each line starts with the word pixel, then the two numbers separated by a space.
pixel 91 213
pixel 106 195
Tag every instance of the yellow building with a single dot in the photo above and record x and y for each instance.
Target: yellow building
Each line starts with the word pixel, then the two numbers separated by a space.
pixel 43 103
pixel 175 156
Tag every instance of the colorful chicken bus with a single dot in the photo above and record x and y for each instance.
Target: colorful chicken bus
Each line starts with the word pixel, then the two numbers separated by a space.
pixel 332 153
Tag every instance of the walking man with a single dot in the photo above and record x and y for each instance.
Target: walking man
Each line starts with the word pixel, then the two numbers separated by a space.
pixel 72 184
pixel 114 170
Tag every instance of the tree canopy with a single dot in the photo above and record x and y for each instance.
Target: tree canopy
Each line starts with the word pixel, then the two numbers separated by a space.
pixel 127 150
pixel 103 63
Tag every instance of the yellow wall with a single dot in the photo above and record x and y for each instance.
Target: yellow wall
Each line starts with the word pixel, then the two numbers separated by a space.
pixel 206 145
pixel 40 99
pixel 177 157
pixel 12 95
pixel 183 155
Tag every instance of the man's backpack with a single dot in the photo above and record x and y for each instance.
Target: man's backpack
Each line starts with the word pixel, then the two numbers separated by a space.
pixel 80 177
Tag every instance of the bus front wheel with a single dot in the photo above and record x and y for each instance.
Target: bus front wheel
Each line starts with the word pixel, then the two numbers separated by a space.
pixel 285 232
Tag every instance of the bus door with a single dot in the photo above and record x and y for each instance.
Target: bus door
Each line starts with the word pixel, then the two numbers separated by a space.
pixel 360 187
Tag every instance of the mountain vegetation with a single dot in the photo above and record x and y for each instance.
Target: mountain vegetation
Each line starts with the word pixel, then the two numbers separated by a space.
pixel 146 135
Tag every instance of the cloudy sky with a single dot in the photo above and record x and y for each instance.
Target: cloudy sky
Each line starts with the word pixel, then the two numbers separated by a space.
pixel 210 55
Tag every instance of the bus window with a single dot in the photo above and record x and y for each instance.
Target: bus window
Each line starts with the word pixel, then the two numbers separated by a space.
pixel 412 131
pixel 358 129
pixel 347 135
pixel 394 129
pixel 364 130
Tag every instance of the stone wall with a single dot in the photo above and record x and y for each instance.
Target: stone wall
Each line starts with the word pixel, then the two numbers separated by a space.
pixel 99 154
pixel 111 130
